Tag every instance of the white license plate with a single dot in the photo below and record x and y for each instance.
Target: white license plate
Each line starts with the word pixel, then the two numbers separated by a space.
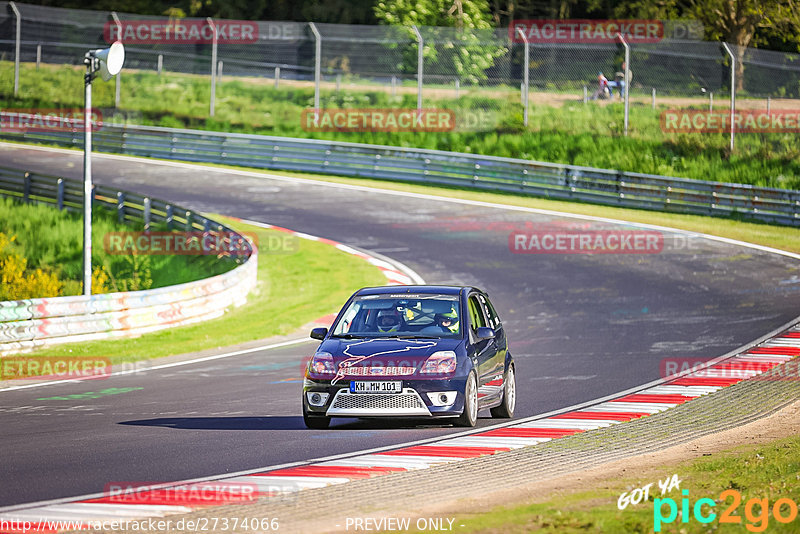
pixel 376 386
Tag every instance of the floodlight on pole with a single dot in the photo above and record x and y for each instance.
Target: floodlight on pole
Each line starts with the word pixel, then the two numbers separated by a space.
pixel 108 62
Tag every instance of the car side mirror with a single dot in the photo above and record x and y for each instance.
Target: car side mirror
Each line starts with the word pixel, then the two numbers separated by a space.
pixel 484 332
pixel 319 333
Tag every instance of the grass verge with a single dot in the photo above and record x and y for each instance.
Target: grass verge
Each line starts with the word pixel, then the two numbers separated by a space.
pixel 767 472
pixel 52 240
pixel 293 289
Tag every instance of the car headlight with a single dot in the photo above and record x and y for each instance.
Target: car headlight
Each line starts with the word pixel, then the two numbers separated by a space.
pixel 321 365
pixel 441 363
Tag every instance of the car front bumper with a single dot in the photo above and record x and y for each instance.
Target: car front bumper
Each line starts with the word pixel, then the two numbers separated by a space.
pixel 414 400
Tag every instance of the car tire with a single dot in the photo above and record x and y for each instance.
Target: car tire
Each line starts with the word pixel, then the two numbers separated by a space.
pixel 469 417
pixel 316 422
pixel 506 408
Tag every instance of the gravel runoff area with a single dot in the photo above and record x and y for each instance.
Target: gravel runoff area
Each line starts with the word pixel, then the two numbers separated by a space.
pixel 326 509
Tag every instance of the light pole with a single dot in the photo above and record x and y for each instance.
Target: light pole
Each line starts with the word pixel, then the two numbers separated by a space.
pixel 108 62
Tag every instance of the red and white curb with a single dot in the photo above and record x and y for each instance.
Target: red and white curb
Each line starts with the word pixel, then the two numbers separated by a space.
pixel 671 392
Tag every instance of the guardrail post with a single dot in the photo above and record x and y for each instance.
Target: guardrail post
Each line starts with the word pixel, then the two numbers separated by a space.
pixel 206 226
pixel 420 66
pixel 213 65
pixel 654 98
pixel 18 17
pixel 277 76
pixel 121 206
pixel 394 85
pixel 169 216
pixel 188 221
pixel 60 194
pixel 160 64
pixel 146 214
pixel 713 203
pixel 572 178
pixel 38 55
pixel 26 188
pixel 796 211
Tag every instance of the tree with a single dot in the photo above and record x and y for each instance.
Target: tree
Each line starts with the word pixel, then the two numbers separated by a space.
pixel 737 21
pixel 743 23
pixel 470 49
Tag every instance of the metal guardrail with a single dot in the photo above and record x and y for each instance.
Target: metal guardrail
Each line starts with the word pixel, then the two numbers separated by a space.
pixel 556 181
pixel 30 323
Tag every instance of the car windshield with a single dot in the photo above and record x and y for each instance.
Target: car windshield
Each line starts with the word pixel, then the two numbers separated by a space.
pixel 406 316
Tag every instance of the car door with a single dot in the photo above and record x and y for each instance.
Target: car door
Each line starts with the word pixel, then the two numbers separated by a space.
pixel 485 350
pixel 500 341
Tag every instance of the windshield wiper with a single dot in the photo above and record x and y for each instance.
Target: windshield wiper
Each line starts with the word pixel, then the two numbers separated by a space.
pixel 348 336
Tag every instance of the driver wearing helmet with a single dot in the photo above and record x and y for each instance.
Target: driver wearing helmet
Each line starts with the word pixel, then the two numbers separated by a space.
pixel 388 321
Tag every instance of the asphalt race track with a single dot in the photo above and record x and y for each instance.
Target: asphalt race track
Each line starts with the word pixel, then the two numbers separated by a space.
pixel 580 327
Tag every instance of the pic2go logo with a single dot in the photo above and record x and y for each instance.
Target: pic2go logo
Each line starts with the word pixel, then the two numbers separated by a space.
pixel 756 511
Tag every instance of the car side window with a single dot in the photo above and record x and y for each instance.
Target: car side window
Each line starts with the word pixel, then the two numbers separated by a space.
pixel 476 317
pixel 494 320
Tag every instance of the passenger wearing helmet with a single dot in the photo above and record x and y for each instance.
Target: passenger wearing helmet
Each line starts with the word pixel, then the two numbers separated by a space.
pixel 388 321
pixel 448 321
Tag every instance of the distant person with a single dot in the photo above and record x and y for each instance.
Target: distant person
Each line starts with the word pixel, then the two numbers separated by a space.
pixel 603 89
pixel 620 82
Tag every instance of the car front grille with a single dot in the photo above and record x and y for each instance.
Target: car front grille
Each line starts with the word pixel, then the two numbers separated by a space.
pixel 378 404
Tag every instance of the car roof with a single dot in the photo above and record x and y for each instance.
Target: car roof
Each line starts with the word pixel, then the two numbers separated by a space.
pixel 397 290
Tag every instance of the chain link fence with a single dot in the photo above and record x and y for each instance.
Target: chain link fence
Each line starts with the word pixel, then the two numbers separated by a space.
pixel 476 74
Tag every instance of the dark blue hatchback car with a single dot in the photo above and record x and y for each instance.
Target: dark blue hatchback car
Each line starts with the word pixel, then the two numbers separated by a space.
pixel 411 351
